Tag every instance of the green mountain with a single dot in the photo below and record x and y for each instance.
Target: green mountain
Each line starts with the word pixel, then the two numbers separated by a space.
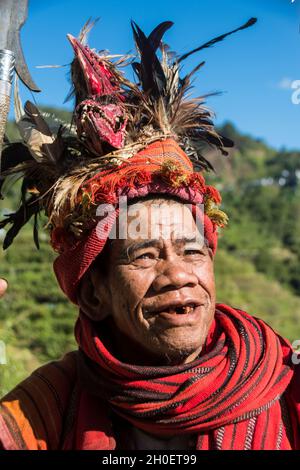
pixel 257 264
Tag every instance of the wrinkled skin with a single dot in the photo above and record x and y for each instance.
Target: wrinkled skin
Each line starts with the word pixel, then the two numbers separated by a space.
pixel 143 279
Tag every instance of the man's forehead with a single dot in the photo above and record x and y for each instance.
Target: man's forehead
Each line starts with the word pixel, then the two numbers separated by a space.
pixel 161 220
pixel 161 213
pixel 176 238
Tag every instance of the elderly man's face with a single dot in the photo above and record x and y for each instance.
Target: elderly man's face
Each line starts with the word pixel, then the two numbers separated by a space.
pixel 161 290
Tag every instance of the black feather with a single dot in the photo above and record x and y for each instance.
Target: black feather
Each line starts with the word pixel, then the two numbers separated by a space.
pixel 202 163
pixel 228 143
pixel 217 141
pixel 14 154
pixel 193 150
pixel 210 43
pixel 184 82
pixel 136 68
pixel 36 231
pixel 156 35
pixel 18 219
pixel 151 76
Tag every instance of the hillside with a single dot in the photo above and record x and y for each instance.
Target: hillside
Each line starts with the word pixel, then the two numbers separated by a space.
pixel 257 265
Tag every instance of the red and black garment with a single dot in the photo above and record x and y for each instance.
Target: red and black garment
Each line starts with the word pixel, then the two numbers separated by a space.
pixel 240 393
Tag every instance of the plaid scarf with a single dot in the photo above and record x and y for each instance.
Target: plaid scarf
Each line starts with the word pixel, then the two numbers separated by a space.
pixel 231 396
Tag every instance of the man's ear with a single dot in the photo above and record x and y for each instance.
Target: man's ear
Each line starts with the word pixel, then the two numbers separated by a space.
pixel 93 295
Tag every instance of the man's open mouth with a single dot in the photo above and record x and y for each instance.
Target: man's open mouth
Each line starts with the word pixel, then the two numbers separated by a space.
pixel 181 310
pixel 174 309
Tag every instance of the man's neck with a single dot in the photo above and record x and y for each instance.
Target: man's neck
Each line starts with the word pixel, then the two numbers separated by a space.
pixel 128 351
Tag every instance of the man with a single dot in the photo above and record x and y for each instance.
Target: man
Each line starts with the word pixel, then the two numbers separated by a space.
pixel 159 364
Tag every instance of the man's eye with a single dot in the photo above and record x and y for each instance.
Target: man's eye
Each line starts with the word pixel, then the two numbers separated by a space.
pixel 146 256
pixel 144 260
pixel 193 252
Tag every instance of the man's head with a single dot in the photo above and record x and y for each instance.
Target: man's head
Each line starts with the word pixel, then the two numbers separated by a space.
pixel 157 285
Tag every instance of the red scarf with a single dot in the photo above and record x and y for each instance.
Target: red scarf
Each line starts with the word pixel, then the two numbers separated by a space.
pixel 232 396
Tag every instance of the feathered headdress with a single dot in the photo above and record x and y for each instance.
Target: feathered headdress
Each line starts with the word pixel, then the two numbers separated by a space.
pixel 66 170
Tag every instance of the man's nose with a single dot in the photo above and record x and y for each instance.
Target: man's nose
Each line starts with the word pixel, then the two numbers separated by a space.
pixel 174 273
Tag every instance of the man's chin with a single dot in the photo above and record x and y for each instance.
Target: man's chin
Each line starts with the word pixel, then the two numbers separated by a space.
pixel 179 344
pixel 177 352
pixel 177 357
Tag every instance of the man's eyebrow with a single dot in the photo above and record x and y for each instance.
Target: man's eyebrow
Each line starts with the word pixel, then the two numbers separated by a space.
pixel 191 239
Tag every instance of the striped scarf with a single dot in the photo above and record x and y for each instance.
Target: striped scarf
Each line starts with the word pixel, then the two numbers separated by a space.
pixel 241 393
pixel 232 396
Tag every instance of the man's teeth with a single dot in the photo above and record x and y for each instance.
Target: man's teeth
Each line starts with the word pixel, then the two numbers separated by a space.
pixel 181 310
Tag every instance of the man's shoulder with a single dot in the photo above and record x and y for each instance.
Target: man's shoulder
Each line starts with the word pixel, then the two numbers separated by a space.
pixel 32 414
pixel 249 316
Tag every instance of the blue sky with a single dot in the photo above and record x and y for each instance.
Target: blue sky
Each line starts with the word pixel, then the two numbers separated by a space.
pixel 253 68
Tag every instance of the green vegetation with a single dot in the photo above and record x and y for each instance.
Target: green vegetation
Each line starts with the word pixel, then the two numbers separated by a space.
pixel 257 265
